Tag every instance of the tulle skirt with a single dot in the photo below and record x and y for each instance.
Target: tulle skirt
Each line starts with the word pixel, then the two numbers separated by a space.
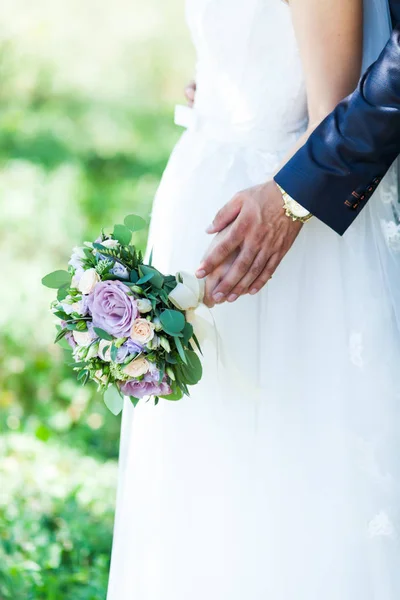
pixel 279 478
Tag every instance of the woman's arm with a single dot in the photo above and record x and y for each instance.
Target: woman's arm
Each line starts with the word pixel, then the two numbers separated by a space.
pixel 329 35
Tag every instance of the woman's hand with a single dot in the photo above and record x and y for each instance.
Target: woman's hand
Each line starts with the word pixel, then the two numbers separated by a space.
pixel 190 92
pixel 219 272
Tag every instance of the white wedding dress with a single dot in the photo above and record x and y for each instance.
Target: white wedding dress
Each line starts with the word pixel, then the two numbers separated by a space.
pixel 279 478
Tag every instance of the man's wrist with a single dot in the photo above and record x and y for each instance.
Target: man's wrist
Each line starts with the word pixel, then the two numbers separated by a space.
pixel 292 208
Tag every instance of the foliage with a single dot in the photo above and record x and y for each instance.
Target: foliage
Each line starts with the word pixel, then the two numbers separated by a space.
pixel 56 516
pixel 85 131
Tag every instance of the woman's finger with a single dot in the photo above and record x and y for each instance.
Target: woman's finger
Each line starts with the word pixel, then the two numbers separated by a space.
pixel 246 283
pixel 238 270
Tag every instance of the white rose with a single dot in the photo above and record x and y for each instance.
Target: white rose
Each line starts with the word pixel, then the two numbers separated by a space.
pixel 92 351
pixel 144 305
pixel 103 352
pixel 88 281
pixel 142 331
pixel 136 368
pixel 82 338
pixel 110 243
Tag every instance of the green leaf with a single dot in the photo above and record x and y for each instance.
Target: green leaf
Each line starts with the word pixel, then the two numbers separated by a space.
pixel 122 234
pixel 193 371
pixel 145 279
pixel 103 334
pixel 113 400
pixel 57 279
pixel 133 277
pixel 134 401
pixel 61 315
pixel 187 333
pixel 82 374
pixel 135 223
pixel 157 279
pixel 151 257
pixel 113 352
pixel 180 349
pixel 196 341
pixel 177 395
pixel 63 292
pixel 172 321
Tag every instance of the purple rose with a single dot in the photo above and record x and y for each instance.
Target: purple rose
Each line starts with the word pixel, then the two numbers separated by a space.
pixel 113 308
pixel 148 386
pixel 129 348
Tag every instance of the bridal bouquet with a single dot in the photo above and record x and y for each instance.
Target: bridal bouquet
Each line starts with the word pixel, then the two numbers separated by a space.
pixel 127 323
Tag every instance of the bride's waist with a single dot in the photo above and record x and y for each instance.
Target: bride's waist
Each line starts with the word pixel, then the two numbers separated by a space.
pixel 262 135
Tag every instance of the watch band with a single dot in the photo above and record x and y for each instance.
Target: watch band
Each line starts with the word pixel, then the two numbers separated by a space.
pixel 290 205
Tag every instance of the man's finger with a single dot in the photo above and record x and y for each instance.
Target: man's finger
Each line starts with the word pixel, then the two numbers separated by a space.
pixel 226 215
pixel 237 271
pixel 246 283
pixel 267 273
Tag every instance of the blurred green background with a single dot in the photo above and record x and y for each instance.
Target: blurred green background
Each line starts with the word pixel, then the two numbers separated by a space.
pixel 87 91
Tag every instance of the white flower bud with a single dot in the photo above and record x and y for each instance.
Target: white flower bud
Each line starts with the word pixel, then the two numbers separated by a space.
pixel 88 281
pixel 144 305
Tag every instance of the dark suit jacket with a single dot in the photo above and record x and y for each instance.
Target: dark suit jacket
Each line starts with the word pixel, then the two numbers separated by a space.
pixel 335 173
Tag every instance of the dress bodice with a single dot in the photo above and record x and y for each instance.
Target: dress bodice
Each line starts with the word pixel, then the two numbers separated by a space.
pixel 249 74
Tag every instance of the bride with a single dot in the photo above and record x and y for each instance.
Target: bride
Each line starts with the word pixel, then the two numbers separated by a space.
pixel 279 478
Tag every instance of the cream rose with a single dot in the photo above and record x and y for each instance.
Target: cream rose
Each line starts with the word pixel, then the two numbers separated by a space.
pixel 110 243
pixel 88 281
pixel 82 338
pixel 142 331
pixel 144 305
pixel 138 367
pixel 104 353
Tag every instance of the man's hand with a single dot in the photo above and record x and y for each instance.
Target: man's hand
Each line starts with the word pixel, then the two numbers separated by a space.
pixel 260 234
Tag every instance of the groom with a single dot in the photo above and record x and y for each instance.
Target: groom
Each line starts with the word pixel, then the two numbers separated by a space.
pixel 331 177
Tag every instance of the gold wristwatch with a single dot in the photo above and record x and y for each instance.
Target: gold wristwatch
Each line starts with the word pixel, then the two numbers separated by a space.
pixel 293 209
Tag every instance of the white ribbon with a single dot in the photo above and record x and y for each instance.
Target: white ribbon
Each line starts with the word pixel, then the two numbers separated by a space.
pixel 188 296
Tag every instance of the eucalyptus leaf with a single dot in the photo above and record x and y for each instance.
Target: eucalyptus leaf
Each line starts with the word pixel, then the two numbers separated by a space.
pixel 135 223
pixel 113 352
pixel 134 401
pixel 62 292
pixel 180 349
pixel 193 371
pixel 57 279
pixel 145 278
pixel 82 374
pixel 157 279
pixel 172 321
pixel 133 276
pixel 61 315
pixel 122 234
pixel 187 333
pixel 103 334
pixel 113 400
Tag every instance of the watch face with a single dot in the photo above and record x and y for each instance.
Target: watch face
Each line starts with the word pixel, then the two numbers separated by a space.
pixel 297 209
